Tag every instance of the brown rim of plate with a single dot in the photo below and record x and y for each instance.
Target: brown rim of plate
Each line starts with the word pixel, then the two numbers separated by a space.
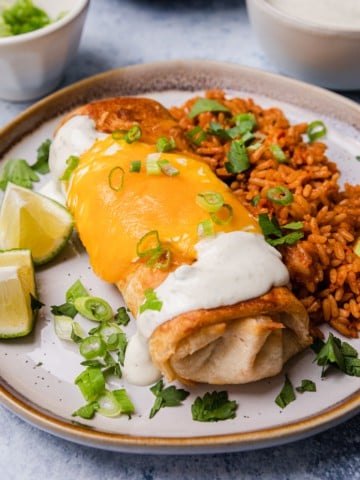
pixel 187 75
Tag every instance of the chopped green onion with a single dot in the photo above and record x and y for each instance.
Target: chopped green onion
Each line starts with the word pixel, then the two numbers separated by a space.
pixel 149 244
pixel 196 135
pixel 280 195
pixel 151 301
pixel 207 105
pixel 77 333
pixel 238 158
pixel 278 153
pixel 357 247
pixel 118 134
pixel 210 201
pixel 126 405
pixel 133 134
pixel 92 347
pixel 152 166
pixel 110 333
pixel 76 290
pixel 164 144
pixel 205 228
pixel 91 383
pixel 167 168
pixel 160 259
pixel 316 130
pixel 135 166
pixel 72 162
pixel 108 405
pixel 116 178
pixel 222 221
pixel 93 308
pixel 245 121
pixel 63 326
pixel 255 200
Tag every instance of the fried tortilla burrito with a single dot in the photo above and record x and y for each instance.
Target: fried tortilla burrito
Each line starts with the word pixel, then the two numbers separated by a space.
pixel 210 296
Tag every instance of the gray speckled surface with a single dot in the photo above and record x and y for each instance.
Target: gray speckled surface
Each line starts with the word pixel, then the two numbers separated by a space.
pixel 126 32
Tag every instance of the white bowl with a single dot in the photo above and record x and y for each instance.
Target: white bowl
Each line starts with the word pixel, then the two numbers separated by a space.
pixel 32 64
pixel 325 55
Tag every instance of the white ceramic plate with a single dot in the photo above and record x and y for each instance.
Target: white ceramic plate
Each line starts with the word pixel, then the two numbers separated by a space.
pixel 37 372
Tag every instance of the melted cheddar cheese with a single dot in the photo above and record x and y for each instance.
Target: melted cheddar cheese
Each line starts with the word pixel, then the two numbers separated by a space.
pixel 111 223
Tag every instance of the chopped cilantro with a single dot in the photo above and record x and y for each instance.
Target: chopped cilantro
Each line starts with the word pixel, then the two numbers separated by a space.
pixel 306 386
pixel 18 171
pixel 207 105
pixel 336 353
pixel 42 163
pixel 166 397
pixel 68 309
pixel 286 394
pixel 213 407
pixel 238 157
pixel 271 228
pixel 122 316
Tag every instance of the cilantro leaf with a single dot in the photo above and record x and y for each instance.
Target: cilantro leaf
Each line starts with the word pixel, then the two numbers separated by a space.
pixel 42 163
pixel 166 397
pixel 330 354
pixel 122 316
pixel 238 158
pixel 35 303
pixel 286 394
pixel 207 105
pixel 306 386
pixel 213 407
pixel 18 171
pixel 271 228
pixel 68 309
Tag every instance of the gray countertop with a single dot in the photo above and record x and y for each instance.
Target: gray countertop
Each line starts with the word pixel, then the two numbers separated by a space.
pixel 127 32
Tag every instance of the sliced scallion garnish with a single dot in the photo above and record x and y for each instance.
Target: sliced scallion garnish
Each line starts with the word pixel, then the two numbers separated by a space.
pixel 93 308
pixel 149 244
pixel 279 195
pixel 152 166
pixel 316 130
pixel 116 178
pixel 165 144
pixel 92 347
pixel 205 228
pixel 167 168
pixel 91 383
pixel 223 216
pixel 210 201
pixel 63 326
pixel 135 166
pixel 133 134
pixel 278 153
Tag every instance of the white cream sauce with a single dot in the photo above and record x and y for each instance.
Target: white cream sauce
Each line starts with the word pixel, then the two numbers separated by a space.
pixel 329 13
pixel 75 137
pixel 230 268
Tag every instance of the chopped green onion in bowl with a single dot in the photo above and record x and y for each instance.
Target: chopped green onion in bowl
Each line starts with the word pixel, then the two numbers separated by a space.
pixel 23 17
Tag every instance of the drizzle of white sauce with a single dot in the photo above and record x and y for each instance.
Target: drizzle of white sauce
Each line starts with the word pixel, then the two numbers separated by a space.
pixel 75 137
pixel 230 268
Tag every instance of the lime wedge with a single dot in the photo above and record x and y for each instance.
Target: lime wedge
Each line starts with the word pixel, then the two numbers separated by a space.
pixel 17 284
pixel 29 220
